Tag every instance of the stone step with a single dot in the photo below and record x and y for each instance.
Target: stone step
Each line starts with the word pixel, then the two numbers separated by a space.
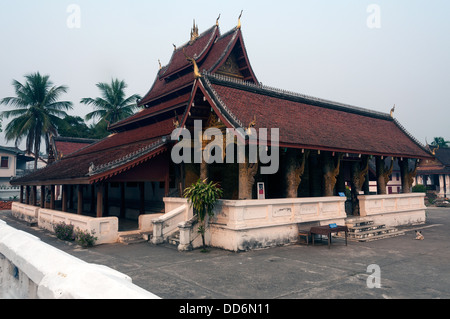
pixel 371 232
pixel 134 237
pixel 378 237
pixel 359 229
pixel 174 239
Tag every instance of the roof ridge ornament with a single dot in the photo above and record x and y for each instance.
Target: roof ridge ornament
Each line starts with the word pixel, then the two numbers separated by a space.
pixel 194 33
pixel 239 21
pixel 192 60
pixel 217 20
pixel 392 111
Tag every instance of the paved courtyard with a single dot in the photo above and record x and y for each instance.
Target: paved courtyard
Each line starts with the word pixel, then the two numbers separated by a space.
pixel 408 268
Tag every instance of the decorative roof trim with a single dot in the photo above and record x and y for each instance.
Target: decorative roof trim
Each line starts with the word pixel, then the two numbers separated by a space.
pixel 96 170
pixel 289 95
pixel 198 57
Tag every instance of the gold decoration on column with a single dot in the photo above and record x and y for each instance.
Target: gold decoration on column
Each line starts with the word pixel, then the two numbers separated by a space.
pixel 331 171
pixel 294 173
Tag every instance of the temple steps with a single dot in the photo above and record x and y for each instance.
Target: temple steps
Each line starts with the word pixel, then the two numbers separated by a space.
pixel 364 230
pixel 174 239
pixel 134 237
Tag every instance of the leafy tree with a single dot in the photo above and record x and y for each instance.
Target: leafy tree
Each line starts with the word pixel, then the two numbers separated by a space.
pixel 74 126
pixel 99 130
pixel 441 142
pixel 203 197
pixel 113 106
pixel 37 112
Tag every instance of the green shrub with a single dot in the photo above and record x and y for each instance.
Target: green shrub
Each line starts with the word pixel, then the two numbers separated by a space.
pixel 419 188
pixel 67 232
pixel 64 231
pixel 84 238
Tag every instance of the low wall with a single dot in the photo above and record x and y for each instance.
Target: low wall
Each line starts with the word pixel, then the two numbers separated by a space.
pixel 394 209
pixel 10 192
pixel 249 224
pixel 105 229
pixel 31 269
pixel 25 212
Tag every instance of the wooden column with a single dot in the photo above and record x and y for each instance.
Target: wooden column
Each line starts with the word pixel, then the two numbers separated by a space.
pixel 358 173
pixel 315 174
pixel 70 197
pixel 93 202
pixel 407 175
pixel 247 172
pixel 80 200
pixel 295 167
pixel 122 200
pixel 64 198
pixel 42 196
pixel 331 167
pixel 34 195
pixel 142 197
pixel 52 197
pixel 167 184
pixel 383 173
pixel 27 195
pixel 105 200
pixel 21 194
pixel 99 200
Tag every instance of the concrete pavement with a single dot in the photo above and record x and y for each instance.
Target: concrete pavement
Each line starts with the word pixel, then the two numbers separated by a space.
pixel 404 267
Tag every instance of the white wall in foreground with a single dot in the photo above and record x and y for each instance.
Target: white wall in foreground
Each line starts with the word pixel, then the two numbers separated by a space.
pixel 31 269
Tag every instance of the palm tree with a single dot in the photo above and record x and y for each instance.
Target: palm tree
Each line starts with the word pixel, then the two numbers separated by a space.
pixel 37 112
pixel 113 106
pixel 440 141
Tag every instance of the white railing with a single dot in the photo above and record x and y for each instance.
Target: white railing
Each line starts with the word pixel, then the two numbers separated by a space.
pixel 178 211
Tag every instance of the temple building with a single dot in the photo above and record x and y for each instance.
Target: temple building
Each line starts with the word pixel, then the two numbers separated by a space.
pixel 435 174
pixel 321 147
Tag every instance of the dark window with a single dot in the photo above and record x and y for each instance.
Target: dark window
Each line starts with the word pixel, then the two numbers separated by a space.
pixel 4 162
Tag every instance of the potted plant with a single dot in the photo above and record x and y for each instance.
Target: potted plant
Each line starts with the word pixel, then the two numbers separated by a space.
pixel 203 196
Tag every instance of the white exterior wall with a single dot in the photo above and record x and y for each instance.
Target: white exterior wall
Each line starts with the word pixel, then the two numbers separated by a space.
pixel 249 224
pixel 394 210
pixel 31 269
pixel 105 229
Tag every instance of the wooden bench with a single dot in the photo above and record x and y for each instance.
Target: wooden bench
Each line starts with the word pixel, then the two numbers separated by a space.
pixel 305 233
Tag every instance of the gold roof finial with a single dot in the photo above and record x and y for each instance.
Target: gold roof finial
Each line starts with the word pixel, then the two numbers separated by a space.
pixel 160 66
pixel 239 21
pixel 196 70
pixel 217 20
pixel 392 111
pixel 194 32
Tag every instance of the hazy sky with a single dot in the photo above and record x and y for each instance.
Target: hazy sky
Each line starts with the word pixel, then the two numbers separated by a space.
pixel 371 54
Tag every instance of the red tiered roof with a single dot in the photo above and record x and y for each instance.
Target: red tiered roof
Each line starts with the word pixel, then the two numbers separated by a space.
pixel 311 123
